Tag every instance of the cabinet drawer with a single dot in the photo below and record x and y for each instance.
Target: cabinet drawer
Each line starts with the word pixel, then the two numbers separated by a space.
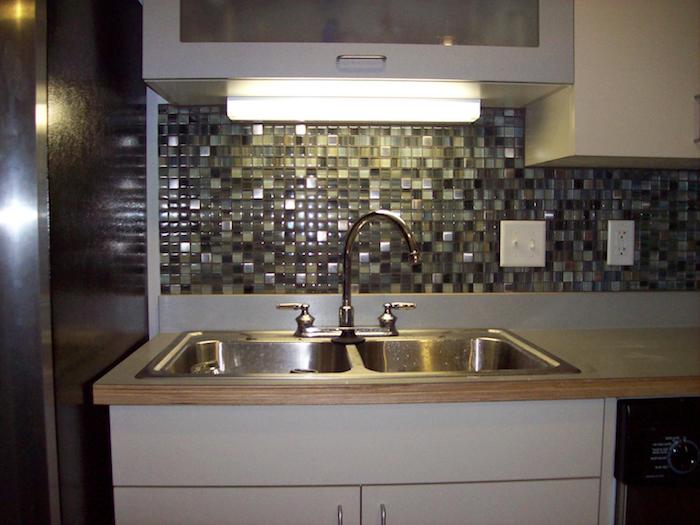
pixel 234 506
pixel 555 502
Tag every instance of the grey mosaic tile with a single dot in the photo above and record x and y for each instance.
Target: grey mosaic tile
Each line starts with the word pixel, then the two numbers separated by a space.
pixel 263 209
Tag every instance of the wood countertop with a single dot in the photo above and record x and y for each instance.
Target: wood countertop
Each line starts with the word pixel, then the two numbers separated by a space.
pixel 648 362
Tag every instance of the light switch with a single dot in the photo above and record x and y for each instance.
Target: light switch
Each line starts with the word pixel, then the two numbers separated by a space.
pixel 620 243
pixel 523 243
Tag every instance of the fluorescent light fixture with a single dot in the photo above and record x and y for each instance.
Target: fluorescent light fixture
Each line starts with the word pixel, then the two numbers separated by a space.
pixel 352 101
pixel 352 109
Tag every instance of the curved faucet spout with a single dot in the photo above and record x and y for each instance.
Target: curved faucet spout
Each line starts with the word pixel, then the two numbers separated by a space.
pixel 346 316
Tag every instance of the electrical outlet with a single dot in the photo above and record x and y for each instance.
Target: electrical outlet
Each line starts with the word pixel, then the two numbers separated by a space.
pixel 620 243
pixel 523 243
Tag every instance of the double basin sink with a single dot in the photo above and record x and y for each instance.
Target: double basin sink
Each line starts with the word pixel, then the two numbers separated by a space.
pixel 415 354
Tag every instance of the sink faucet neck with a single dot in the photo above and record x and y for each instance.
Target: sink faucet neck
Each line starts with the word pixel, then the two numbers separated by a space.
pixel 346 316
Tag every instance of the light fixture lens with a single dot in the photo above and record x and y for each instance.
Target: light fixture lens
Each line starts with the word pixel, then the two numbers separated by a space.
pixel 352 109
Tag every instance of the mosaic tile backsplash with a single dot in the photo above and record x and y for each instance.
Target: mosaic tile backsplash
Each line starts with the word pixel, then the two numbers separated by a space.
pixel 263 209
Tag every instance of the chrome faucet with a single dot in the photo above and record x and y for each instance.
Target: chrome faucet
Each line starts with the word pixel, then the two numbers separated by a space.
pixel 346 312
pixel 346 332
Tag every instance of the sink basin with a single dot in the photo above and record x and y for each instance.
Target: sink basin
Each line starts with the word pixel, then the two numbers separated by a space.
pixel 492 353
pixel 200 356
pixel 272 355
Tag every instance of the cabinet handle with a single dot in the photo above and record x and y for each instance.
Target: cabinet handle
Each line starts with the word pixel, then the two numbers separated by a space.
pixel 340 58
pixel 340 515
pixel 382 514
pixel 697 118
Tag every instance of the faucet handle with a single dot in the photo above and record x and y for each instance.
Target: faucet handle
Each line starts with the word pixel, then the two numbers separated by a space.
pixel 304 319
pixel 399 306
pixel 388 320
pixel 294 306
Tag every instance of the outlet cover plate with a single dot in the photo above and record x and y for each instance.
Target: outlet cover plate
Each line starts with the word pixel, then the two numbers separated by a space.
pixel 523 243
pixel 620 243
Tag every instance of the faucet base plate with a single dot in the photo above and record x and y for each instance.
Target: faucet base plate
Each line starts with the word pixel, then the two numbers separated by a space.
pixel 348 337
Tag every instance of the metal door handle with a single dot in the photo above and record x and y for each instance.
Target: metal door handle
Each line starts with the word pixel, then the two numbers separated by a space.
pixel 340 58
pixel 382 514
pixel 340 515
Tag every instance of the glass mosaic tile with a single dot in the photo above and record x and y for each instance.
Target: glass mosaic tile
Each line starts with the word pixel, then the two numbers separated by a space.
pixel 264 208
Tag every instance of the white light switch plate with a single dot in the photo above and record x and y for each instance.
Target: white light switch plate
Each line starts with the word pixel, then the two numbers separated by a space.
pixel 523 243
pixel 620 243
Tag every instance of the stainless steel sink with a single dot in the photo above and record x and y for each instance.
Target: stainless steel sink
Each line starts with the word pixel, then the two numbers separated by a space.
pixel 417 354
pixel 478 354
pixel 229 356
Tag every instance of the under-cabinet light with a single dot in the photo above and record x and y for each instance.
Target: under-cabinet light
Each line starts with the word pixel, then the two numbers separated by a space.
pixel 352 109
pixel 352 101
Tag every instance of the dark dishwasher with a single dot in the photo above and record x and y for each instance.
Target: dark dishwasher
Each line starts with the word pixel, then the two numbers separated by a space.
pixel 656 461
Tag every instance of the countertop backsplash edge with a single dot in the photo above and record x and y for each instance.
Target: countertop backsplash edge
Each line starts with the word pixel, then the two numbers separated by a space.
pixel 598 310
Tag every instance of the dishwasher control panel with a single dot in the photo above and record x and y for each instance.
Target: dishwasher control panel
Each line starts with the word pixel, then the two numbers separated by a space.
pixel 657 441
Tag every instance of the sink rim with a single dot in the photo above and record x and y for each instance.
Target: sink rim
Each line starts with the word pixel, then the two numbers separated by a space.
pixel 358 370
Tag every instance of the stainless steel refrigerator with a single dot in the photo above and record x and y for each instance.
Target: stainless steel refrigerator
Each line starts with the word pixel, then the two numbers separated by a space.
pixel 72 246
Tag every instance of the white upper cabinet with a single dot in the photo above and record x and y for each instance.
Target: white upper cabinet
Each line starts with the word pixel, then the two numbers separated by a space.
pixel 485 41
pixel 635 100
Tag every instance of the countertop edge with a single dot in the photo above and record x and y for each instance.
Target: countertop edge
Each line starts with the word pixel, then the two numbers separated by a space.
pixel 355 394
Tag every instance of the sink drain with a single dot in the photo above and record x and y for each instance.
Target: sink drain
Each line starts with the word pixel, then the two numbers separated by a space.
pixel 303 371
pixel 206 368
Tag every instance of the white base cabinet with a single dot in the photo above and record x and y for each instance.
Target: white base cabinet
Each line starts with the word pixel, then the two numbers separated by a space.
pixel 482 463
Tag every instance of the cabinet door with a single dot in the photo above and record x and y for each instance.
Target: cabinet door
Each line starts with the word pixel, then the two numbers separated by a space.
pixel 441 22
pixel 555 502
pixel 245 39
pixel 237 506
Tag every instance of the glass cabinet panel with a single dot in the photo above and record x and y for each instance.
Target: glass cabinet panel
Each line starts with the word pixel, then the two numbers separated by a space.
pixel 513 23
